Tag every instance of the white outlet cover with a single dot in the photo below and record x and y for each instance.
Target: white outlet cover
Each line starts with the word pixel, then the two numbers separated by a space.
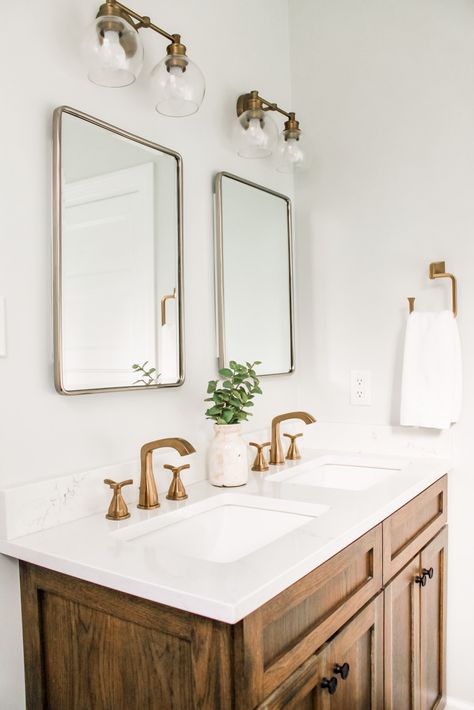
pixel 361 388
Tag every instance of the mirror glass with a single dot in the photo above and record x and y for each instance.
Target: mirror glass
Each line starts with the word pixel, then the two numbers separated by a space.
pixel 254 275
pixel 117 259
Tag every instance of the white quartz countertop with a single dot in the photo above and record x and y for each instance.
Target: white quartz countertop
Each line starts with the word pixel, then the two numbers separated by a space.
pixel 98 550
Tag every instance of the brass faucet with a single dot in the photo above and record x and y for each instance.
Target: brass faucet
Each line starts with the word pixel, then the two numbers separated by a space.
pixel 277 455
pixel 148 498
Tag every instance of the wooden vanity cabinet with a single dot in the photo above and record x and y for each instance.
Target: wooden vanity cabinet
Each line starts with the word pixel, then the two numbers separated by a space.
pixel 89 647
pixel 322 683
pixel 415 631
pixel 415 603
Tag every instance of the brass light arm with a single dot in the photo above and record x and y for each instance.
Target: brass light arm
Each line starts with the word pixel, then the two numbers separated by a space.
pixel 269 106
pixel 143 20
pixel 256 103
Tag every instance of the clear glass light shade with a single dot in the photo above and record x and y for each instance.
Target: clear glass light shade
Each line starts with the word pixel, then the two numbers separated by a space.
pixel 289 155
pixel 255 134
pixel 178 86
pixel 113 52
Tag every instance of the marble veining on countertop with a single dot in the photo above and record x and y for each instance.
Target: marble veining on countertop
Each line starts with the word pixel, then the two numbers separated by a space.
pixel 90 549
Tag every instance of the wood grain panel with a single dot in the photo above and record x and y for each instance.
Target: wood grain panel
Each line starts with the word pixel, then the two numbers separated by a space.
pixel 285 631
pixel 112 663
pixel 433 624
pixel 413 526
pixel 402 639
pixel 91 647
pixel 359 643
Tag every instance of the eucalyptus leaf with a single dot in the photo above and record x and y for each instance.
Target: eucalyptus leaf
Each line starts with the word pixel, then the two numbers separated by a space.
pixel 225 372
pixel 233 395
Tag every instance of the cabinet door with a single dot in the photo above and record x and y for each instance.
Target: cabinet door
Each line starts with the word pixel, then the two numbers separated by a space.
pixel 402 639
pixel 359 644
pixel 433 623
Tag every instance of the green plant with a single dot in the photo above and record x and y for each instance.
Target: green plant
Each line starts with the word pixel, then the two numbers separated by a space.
pixel 148 377
pixel 235 394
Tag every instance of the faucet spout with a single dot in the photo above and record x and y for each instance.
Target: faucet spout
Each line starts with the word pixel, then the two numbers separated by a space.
pixel 277 455
pixel 148 499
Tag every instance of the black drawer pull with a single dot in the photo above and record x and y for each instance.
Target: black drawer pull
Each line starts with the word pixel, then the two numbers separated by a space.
pixel 420 579
pixel 330 684
pixel 429 572
pixel 342 670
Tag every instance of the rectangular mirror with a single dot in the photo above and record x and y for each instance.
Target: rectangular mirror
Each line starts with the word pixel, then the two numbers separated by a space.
pixel 118 278
pixel 254 275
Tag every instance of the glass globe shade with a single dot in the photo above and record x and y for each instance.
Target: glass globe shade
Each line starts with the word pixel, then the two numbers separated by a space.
pixel 178 89
pixel 254 134
pixel 112 51
pixel 289 155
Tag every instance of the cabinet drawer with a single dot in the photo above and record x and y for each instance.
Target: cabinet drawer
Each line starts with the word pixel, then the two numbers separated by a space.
pixel 410 528
pixel 280 636
pixel 359 645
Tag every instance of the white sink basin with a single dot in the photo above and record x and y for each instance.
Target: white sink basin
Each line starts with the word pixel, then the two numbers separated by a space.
pixel 223 528
pixel 350 474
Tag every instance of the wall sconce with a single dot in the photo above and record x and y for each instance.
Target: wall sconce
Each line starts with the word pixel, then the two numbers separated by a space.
pixel 256 133
pixel 113 52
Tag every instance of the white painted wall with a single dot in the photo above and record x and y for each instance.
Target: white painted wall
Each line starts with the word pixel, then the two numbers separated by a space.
pixel 43 434
pixel 385 94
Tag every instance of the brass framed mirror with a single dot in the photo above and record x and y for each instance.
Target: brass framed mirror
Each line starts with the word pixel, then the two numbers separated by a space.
pixel 118 259
pixel 254 275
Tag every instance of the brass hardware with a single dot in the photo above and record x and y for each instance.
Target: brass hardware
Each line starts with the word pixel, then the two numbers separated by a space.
pixel 176 51
pixel 113 7
pixel 58 200
pixel 293 452
pixel 177 490
pixel 176 54
pixel 163 305
pixel 438 271
pixel 276 452
pixel 260 463
pixel 118 509
pixel 256 104
pixel 223 357
pixel 148 499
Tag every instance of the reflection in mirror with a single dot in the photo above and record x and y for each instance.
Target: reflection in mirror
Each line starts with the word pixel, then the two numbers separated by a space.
pixel 254 275
pixel 117 254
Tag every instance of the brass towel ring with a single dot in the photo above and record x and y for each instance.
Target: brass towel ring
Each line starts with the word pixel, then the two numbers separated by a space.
pixel 438 271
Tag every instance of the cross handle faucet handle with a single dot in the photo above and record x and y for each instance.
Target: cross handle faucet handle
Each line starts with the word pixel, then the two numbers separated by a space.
pixel 118 509
pixel 176 490
pixel 260 463
pixel 293 453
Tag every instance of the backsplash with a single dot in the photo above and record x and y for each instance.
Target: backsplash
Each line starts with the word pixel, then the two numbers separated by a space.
pixel 37 506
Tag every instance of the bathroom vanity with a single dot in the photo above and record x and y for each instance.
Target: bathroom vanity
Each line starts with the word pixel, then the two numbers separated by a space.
pixel 362 628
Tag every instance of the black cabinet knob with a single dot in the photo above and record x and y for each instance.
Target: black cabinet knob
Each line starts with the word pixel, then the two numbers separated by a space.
pixel 330 684
pixel 428 572
pixel 342 670
pixel 420 579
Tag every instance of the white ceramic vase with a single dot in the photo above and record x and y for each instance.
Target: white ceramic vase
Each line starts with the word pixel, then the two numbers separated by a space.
pixel 227 457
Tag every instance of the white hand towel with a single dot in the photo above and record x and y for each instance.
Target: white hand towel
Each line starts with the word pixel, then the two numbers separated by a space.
pixel 432 371
pixel 168 360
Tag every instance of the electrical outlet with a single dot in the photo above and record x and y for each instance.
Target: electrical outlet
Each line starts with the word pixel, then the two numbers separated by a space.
pixel 361 390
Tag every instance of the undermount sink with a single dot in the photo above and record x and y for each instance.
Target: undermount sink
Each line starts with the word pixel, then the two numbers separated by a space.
pixel 223 528
pixel 342 472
